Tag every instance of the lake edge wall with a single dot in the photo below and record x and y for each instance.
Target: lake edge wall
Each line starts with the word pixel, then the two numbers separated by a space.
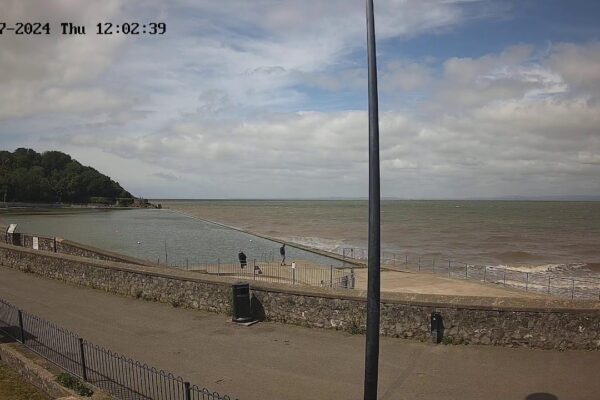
pixel 519 322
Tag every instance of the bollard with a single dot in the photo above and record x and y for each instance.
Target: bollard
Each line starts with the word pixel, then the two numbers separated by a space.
pixel 82 360
pixel 331 276
pixel 21 330
pixel 293 273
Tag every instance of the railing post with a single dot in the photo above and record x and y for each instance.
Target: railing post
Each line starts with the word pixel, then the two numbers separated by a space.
pixel 21 330
pixel 526 281
pixel 467 271
pixel 82 360
pixel 293 275
pixel 549 284
pixel 449 268
pixel 254 268
pixel 484 272
pixel 218 266
pixel 352 278
pixel 187 391
pixel 504 278
pixel 572 289
pixel 331 276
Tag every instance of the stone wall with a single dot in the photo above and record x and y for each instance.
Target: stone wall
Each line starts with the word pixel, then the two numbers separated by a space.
pixel 536 323
pixel 59 245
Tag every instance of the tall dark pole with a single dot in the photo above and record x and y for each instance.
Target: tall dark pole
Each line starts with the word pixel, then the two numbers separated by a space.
pixel 372 348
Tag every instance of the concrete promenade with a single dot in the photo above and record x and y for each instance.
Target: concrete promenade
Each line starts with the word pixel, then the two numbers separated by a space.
pixel 275 361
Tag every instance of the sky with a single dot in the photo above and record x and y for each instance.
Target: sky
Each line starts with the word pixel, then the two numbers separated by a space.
pixel 267 98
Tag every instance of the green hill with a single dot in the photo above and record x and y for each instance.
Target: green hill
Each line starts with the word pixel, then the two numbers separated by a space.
pixel 28 176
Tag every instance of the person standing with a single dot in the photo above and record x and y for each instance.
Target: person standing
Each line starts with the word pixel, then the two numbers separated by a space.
pixel 282 252
pixel 242 258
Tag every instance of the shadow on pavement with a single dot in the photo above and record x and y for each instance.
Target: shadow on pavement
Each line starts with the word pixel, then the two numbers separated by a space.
pixel 541 396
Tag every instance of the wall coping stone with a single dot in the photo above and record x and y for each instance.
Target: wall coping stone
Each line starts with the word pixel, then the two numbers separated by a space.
pixel 550 305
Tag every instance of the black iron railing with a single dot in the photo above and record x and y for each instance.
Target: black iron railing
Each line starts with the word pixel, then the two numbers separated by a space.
pixel 123 377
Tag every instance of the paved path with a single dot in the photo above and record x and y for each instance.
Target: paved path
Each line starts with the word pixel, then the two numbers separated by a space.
pixel 271 361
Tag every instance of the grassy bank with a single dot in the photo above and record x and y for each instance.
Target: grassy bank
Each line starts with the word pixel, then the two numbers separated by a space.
pixel 12 387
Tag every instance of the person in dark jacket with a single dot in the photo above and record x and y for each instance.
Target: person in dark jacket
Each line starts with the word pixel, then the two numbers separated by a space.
pixel 242 258
pixel 282 252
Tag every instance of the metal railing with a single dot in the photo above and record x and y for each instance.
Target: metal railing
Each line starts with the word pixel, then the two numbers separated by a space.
pixel 294 274
pixel 576 288
pixel 123 377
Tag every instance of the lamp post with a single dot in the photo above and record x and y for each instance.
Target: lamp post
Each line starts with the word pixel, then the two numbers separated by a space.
pixel 373 283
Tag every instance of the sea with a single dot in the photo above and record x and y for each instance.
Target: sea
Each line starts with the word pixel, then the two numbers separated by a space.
pixel 532 235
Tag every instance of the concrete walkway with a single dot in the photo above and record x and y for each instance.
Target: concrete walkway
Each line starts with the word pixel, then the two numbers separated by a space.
pixel 271 361
pixel 409 282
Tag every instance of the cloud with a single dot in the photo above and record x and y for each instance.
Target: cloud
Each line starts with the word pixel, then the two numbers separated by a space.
pixel 54 72
pixel 258 99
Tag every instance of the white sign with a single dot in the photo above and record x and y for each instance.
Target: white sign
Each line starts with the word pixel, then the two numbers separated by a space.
pixel 36 244
pixel 11 228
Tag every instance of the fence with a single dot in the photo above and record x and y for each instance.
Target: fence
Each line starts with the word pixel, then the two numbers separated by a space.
pixel 295 274
pixel 123 377
pixel 538 282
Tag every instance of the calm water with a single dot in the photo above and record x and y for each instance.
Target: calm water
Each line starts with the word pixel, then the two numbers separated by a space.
pixel 488 232
pixel 143 234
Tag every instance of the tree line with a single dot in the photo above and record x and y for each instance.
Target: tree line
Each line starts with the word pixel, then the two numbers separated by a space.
pixel 53 176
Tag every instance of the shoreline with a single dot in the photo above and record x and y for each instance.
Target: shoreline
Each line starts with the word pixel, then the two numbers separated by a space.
pixel 356 263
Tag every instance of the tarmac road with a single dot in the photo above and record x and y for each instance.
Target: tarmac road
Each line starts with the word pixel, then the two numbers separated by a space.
pixel 277 361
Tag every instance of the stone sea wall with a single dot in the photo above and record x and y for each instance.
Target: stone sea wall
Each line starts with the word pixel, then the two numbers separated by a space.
pixel 64 246
pixel 535 323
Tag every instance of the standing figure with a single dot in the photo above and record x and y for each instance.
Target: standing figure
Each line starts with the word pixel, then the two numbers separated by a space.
pixel 282 252
pixel 242 258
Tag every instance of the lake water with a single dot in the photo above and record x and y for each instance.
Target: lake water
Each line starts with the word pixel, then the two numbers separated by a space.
pixel 143 233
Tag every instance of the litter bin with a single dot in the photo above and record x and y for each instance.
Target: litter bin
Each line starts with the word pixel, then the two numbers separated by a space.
pixel 437 327
pixel 241 302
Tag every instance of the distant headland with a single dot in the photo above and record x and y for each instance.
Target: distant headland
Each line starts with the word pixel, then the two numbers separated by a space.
pixel 55 178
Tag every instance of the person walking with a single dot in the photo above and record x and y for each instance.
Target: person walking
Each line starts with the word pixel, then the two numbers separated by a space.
pixel 242 258
pixel 282 252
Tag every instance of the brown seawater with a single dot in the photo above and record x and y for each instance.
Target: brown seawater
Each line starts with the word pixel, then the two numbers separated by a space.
pixel 532 233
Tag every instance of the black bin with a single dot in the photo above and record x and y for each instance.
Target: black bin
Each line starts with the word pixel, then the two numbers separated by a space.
pixel 241 302
pixel 437 327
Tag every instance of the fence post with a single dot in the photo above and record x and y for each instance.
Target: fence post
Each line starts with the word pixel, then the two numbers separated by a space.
pixel 504 278
pixel 406 260
pixel 82 360
pixel 218 266
pixel 293 275
pixel 449 268
pixel 467 271
pixel 21 330
pixel 331 276
pixel 526 281
pixel 187 263
pixel 254 268
pixel 572 289
pixel 484 272
pixel 187 391
pixel 433 265
pixel 352 278
pixel 549 284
